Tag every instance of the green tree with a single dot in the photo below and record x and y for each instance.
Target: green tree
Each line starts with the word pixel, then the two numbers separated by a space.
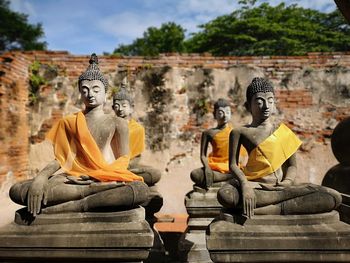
pixel 15 31
pixel 168 38
pixel 268 30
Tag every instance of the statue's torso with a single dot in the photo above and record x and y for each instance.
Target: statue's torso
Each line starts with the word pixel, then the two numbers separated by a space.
pixel 102 130
pixel 251 137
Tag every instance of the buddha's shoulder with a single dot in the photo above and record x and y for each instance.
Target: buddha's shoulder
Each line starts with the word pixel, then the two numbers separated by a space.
pixel 114 121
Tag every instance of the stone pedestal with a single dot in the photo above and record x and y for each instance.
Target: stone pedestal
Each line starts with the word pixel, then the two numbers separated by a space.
pixel 297 238
pixel 152 206
pixel 202 207
pixel 122 236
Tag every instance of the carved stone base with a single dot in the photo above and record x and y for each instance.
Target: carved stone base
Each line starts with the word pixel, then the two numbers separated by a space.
pixel 202 207
pixel 122 236
pixel 202 203
pixel 318 237
pixel 193 248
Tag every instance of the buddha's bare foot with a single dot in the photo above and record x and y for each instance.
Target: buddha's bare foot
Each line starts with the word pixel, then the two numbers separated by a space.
pixel 71 206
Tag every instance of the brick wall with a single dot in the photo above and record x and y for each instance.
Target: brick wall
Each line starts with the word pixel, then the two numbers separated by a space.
pixel 13 114
pixel 15 134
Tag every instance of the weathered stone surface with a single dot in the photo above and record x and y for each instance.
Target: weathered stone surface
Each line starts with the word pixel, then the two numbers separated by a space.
pixel 193 248
pixel 88 237
pixel 319 237
pixel 203 204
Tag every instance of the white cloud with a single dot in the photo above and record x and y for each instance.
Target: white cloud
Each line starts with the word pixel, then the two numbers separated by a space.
pixel 212 7
pixel 127 26
pixel 320 5
pixel 23 6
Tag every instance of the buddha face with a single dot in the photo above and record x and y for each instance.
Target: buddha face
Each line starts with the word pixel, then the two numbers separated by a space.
pixel 262 105
pixel 122 108
pixel 93 93
pixel 223 115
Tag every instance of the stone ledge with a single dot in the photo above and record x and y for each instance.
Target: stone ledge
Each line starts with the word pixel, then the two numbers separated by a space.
pixel 279 238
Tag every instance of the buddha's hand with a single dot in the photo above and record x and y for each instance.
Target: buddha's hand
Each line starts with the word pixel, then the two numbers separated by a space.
pixel 82 179
pixel 209 177
pixel 249 200
pixel 286 182
pixel 37 194
pixel 268 187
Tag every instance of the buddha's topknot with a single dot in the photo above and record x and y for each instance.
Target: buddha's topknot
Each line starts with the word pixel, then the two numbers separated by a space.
pixel 93 72
pixel 258 85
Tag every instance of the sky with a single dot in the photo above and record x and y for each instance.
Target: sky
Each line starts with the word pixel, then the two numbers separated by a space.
pixel 83 27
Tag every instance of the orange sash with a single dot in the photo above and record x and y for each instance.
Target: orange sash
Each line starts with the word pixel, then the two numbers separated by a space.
pixel 218 158
pixel 136 138
pixel 269 155
pixel 78 154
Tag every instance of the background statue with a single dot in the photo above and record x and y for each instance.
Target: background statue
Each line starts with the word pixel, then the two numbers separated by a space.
pixel 92 149
pixel 123 106
pixel 215 166
pixel 266 184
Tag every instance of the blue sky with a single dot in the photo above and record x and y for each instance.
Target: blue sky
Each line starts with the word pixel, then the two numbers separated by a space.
pixel 87 26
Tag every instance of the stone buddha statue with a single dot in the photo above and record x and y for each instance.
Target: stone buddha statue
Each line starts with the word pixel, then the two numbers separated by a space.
pixel 123 106
pixel 266 184
pixel 215 165
pixel 92 148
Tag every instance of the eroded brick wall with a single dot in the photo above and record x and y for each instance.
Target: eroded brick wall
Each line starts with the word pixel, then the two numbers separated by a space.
pixel 13 114
pixel 294 98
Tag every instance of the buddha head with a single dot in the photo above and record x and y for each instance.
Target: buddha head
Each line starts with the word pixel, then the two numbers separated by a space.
pixel 123 104
pixel 222 111
pixel 92 84
pixel 260 97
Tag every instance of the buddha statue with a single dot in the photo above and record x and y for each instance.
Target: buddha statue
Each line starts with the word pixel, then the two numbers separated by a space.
pixel 123 106
pixel 266 184
pixel 215 166
pixel 92 149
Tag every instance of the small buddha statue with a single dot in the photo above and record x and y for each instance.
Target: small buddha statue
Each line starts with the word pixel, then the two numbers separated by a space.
pixel 215 166
pixel 266 184
pixel 92 148
pixel 123 106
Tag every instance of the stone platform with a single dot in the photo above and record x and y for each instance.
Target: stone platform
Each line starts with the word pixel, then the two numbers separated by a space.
pixel 200 203
pixel 122 236
pixel 202 207
pixel 271 238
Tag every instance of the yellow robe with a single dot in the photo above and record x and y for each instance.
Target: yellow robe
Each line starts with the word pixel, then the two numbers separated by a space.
pixel 136 138
pixel 269 155
pixel 218 158
pixel 78 154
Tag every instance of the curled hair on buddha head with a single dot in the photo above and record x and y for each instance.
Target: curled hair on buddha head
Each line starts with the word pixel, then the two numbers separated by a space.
pixel 258 85
pixel 93 72
pixel 123 94
pixel 220 103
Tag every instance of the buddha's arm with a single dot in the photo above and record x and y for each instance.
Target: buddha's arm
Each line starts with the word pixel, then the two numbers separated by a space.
pixel 291 171
pixel 208 173
pixel 37 192
pixel 248 195
pixel 120 141
pixel 204 149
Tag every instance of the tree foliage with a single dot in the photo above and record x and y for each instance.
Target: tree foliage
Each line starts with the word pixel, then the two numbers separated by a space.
pixel 268 30
pixel 15 31
pixel 251 30
pixel 168 38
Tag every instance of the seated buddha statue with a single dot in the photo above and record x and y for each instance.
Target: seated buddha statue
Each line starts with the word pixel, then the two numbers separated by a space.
pixel 92 149
pixel 265 185
pixel 123 106
pixel 215 165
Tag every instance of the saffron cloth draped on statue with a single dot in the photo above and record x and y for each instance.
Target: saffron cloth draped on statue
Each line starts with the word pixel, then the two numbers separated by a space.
pixel 136 138
pixel 269 155
pixel 78 154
